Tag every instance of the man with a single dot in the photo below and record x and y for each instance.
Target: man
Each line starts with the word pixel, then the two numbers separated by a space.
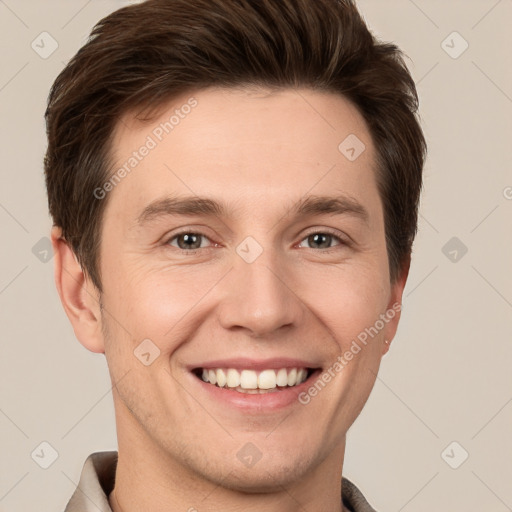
pixel 234 187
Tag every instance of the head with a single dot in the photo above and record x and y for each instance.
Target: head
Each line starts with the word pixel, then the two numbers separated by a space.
pixel 235 184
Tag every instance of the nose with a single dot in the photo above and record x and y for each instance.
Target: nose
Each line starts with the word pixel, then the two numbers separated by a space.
pixel 259 297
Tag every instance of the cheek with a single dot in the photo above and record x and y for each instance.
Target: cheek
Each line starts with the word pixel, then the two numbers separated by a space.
pixel 158 303
pixel 349 300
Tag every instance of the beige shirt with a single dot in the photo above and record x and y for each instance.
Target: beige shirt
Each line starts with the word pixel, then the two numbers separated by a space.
pixel 98 475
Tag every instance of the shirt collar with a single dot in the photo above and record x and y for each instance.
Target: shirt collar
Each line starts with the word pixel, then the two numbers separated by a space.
pixel 98 476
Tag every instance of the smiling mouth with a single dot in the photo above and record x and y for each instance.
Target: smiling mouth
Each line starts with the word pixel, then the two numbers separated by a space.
pixel 254 382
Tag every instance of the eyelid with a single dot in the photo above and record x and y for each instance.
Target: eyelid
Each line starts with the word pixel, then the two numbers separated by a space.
pixel 167 239
pixel 342 238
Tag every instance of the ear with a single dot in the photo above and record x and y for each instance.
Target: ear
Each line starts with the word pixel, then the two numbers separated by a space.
pixel 394 307
pixel 79 297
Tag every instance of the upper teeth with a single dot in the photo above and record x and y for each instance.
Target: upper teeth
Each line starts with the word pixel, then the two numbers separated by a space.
pixel 250 379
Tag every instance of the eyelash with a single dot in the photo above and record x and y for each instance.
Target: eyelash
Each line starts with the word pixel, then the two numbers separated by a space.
pixel 329 232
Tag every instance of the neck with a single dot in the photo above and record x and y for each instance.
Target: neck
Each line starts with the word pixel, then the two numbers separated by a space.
pixel 149 478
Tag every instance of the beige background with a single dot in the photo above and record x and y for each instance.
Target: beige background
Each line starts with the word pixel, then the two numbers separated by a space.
pixel 447 376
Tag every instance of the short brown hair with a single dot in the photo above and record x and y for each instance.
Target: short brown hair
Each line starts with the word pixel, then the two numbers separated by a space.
pixel 143 55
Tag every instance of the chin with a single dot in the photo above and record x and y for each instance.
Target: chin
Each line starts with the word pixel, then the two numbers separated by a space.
pixel 269 474
pixel 263 479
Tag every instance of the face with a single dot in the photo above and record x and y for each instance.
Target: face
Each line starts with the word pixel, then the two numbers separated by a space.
pixel 248 251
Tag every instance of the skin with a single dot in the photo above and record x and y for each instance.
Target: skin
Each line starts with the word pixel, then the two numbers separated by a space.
pixel 259 152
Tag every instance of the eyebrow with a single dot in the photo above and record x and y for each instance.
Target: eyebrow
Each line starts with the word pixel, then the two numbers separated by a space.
pixel 195 205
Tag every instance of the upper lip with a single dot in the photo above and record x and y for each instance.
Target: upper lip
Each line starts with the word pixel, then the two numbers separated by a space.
pixel 244 363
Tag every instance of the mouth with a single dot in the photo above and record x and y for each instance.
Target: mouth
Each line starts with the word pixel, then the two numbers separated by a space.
pixel 250 381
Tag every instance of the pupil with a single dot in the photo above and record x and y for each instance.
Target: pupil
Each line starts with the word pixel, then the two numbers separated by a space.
pixel 190 238
pixel 316 238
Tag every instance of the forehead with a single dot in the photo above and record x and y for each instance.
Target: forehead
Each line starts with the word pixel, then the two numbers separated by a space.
pixel 248 146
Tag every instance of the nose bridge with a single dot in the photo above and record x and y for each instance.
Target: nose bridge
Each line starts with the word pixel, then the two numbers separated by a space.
pixel 259 297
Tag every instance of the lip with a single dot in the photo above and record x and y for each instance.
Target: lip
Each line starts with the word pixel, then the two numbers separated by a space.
pixel 265 403
pixel 254 364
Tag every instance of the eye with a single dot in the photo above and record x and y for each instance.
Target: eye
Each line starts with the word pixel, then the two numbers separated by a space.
pixel 323 239
pixel 187 240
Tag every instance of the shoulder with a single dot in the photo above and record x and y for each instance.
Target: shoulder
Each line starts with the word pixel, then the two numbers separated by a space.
pixel 353 498
pixel 96 483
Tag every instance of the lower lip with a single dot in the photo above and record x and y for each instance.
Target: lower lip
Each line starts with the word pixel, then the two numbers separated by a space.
pixel 257 402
